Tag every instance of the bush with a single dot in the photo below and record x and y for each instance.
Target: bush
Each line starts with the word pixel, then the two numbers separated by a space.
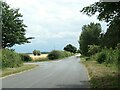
pixel 0 58
pixel 54 55
pixel 87 58
pixel 101 57
pixel 118 46
pixel 25 57
pixel 57 54
pixel 93 49
pixel 36 52
pixel 10 59
pixel 110 57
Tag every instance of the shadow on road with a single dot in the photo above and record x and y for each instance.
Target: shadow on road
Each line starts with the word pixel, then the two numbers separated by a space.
pixel 83 84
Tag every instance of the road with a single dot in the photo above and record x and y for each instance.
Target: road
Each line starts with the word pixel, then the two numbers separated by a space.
pixel 67 73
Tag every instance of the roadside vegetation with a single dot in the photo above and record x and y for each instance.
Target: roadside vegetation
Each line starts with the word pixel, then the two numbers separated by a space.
pixel 101 50
pixel 9 71
pixel 13 32
pixel 102 76
pixel 103 68
pixel 12 62
pixel 70 48
pixel 10 59
pixel 57 54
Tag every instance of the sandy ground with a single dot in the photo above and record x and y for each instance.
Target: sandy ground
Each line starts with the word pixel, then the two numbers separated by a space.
pixel 37 57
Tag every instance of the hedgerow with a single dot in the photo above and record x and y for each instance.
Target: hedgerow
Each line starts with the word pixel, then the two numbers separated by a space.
pixel 57 54
pixel 10 59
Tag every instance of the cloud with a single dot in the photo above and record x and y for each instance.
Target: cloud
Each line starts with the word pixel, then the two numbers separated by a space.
pixel 53 21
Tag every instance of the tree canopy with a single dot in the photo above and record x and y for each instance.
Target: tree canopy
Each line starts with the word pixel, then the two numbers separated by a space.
pixel 110 13
pixel 13 28
pixel 70 48
pixel 0 24
pixel 90 36
pixel 36 52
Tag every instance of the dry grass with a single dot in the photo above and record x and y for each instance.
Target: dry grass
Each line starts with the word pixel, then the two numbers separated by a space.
pixel 42 56
pixel 102 76
pixel 9 71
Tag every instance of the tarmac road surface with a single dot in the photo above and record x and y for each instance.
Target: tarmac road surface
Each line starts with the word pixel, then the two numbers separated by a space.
pixel 66 73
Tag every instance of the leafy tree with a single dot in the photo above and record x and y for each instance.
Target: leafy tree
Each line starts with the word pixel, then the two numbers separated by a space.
pixel 36 52
pixel 110 13
pixel 0 24
pixel 70 48
pixel 93 49
pixel 13 28
pixel 90 36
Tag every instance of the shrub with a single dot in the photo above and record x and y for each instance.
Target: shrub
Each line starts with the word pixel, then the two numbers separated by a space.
pixel 110 57
pixel 93 49
pixel 118 46
pixel 25 57
pixel 36 52
pixel 54 55
pixel 0 58
pixel 57 54
pixel 10 59
pixel 87 58
pixel 101 57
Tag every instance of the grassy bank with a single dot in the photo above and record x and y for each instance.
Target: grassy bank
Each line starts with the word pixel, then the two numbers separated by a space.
pixel 8 71
pixel 102 76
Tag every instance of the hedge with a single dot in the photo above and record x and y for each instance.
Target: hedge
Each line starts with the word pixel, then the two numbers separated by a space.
pixel 10 59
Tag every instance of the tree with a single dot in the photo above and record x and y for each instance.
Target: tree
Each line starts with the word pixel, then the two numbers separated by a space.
pixel 70 48
pixel 93 49
pixel 90 36
pixel 110 13
pixel 36 52
pixel 0 24
pixel 13 28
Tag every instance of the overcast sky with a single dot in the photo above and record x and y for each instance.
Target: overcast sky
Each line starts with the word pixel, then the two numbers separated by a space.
pixel 53 23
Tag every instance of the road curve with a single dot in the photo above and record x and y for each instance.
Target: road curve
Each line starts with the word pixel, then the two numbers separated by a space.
pixel 67 73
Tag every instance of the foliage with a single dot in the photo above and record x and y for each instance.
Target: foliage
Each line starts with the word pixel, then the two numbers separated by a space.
pixel 8 71
pixel 36 52
pixel 57 54
pixel 0 58
pixel 102 76
pixel 118 46
pixel 25 57
pixel 90 36
pixel 101 57
pixel 110 13
pixel 70 48
pixel 10 59
pixel 13 28
pixel 107 56
pixel 93 49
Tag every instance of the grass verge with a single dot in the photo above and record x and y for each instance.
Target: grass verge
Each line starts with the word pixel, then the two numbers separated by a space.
pixel 102 76
pixel 9 71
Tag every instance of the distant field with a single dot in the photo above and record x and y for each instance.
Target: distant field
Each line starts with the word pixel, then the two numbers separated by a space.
pixel 38 57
